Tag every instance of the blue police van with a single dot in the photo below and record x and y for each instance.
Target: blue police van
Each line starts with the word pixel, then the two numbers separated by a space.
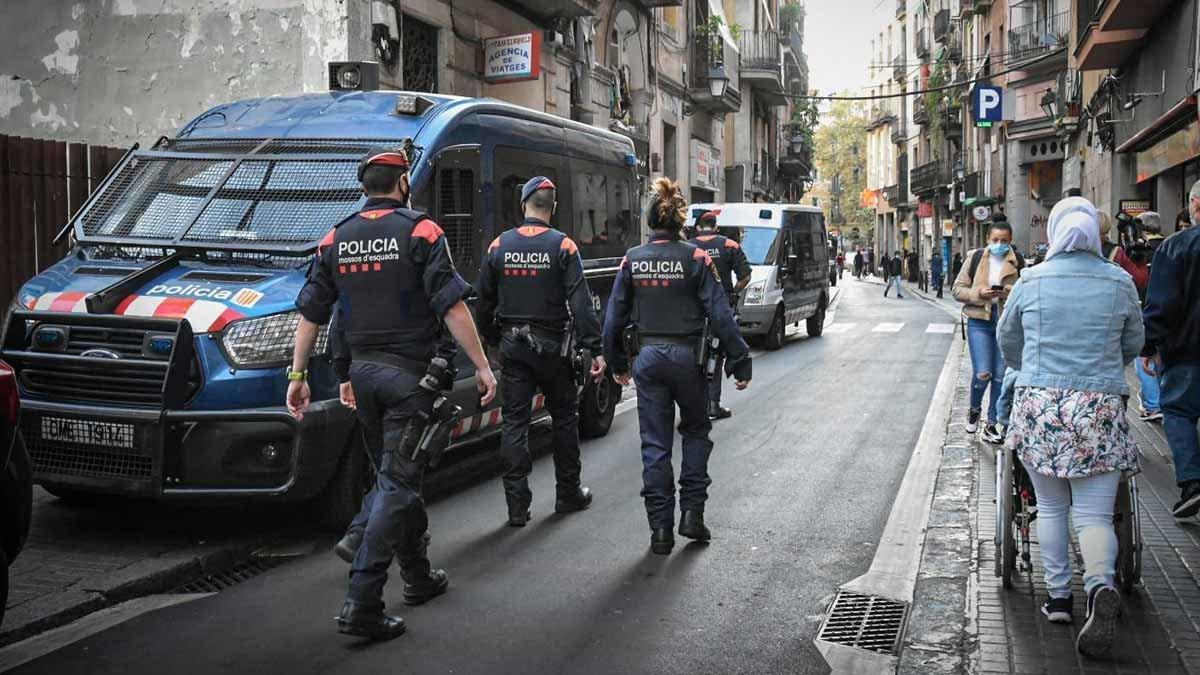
pixel 151 359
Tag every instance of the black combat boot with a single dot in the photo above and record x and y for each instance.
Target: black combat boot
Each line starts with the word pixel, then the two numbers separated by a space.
pixel 662 541
pixel 424 589
pixel 577 502
pixel 691 525
pixel 348 546
pixel 372 623
pixel 717 412
pixel 518 515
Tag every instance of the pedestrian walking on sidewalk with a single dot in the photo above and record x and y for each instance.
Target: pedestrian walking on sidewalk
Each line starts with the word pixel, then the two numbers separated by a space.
pixel 982 286
pixel 858 264
pixel 955 265
pixel 1172 350
pixel 937 272
pixel 885 267
pixel 895 273
pixel 1070 327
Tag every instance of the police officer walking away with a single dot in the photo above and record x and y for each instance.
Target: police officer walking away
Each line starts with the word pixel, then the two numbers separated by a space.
pixel 668 289
pixel 532 297
pixel 390 273
pixel 729 258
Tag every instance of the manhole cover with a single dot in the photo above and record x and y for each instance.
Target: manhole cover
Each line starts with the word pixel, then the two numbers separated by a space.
pixel 219 581
pixel 865 621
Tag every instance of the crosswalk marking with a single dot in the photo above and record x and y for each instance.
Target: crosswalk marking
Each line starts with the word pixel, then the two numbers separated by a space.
pixel 945 328
pixel 887 328
pixel 840 327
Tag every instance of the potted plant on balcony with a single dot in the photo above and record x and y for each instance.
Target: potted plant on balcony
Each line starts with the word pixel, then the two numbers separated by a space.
pixel 709 34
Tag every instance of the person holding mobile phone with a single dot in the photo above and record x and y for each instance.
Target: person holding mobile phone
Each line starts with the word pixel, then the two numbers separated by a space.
pixel 983 285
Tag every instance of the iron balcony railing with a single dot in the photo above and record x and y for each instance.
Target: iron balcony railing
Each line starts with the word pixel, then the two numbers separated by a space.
pixel 929 177
pixel 1040 37
pixel 941 24
pixel 760 50
pixel 1087 13
pixel 921 43
pixel 899 68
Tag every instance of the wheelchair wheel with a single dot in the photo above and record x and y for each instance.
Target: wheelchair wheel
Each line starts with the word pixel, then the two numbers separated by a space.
pixel 1006 547
pixel 1127 522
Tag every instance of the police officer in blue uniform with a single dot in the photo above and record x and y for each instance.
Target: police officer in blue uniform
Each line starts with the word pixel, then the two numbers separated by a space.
pixel 729 258
pixel 533 298
pixel 667 289
pixel 390 273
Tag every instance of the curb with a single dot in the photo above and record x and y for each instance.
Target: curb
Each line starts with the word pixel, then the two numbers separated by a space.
pixel 144 577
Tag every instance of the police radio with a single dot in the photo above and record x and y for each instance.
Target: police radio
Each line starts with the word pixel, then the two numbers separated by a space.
pixel 706 356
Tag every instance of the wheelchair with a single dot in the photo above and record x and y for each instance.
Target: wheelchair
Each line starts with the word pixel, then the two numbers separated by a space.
pixel 1016 509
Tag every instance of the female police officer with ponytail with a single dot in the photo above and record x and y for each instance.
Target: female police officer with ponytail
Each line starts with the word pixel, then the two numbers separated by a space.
pixel 668 290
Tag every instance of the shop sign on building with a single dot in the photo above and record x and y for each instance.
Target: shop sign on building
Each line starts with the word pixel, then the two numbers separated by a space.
pixel 706 165
pixel 1134 207
pixel 1172 151
pixel 925 209
pixel 512 58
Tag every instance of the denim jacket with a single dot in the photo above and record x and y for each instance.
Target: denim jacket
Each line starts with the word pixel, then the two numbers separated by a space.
pixel 1072 322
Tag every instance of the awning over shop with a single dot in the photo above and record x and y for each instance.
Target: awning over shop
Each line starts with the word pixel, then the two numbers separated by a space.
pixel 972 202
pixel 1184 110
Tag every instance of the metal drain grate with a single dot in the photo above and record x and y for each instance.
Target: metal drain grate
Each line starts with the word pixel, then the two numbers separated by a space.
pixel 219 581
pixel 865 621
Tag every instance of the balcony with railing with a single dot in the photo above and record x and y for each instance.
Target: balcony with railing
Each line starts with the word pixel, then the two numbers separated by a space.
pixel 920 113
pixel 900 132
pixel 712 58
pixel 762 64
pixel 1039 38
pixel 929 178
pixel 941 24
pixel 921 43
pixel 899 68
pixel 982 6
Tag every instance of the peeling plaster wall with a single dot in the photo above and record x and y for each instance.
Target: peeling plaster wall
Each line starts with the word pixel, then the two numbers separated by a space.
pixel 118 71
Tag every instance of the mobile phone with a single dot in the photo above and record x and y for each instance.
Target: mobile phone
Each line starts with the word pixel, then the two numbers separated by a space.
pixel 997 288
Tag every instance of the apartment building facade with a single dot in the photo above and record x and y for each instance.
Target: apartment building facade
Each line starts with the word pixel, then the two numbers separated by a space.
pixel 702 103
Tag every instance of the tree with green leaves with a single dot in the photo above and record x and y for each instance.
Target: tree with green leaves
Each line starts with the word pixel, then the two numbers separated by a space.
pixel 841 152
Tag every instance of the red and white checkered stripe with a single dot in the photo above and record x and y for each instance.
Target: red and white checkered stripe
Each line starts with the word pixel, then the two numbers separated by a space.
pixel 205 316
pixel 491 418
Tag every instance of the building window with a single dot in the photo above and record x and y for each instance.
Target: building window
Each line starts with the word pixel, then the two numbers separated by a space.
pixel 420 55
pixel 670 152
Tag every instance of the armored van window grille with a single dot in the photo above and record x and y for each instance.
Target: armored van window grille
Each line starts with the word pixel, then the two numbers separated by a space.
pixel 456 206
pixel 285 146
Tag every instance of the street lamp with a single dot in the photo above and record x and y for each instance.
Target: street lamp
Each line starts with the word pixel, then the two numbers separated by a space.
pixel 797 144
pixel 718 81
pixel 1049 104
pixel 960 172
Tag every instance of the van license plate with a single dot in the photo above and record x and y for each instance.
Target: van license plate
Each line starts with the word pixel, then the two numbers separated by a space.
pixel 87 432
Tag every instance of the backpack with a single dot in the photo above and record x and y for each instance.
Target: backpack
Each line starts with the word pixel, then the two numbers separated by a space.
pixel 976 257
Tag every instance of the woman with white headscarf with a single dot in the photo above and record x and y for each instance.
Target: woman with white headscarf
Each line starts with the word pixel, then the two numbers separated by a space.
pixel 1070 327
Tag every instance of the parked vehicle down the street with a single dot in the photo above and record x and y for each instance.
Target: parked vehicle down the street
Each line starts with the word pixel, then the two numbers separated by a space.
pixel 787 246
pixel 151 359
pixel 16 481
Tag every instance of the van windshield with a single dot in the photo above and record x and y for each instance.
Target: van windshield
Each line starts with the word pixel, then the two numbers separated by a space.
pixel 758 243
pixel 282 196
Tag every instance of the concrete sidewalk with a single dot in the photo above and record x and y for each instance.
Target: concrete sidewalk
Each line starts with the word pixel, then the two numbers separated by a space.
pixel 963 621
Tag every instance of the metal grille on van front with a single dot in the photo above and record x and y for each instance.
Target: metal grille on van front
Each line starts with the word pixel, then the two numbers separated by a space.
pixel 284 146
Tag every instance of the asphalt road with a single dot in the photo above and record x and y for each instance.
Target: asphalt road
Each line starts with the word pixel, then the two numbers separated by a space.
pixel 804 476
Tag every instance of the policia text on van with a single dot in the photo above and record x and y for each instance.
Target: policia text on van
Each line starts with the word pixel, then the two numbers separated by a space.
pixel 167 329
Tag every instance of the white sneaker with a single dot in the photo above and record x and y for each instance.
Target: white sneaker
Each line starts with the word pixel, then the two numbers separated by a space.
pixel 972 421
pixel 992 434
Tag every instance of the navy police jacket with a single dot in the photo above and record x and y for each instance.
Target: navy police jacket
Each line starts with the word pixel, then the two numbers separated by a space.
pixel 728 257
pixel 389 271
pixel 667 288
pixel 533 275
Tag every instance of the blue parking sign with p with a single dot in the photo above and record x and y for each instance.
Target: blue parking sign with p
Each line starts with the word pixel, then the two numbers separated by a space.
pixel 989 105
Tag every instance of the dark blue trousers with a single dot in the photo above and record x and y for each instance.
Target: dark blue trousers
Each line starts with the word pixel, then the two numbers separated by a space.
pixel 393 513
pixel 523 374
pixel 666 376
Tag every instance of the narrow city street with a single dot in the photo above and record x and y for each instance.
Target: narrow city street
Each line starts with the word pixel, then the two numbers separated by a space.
pixel 804 474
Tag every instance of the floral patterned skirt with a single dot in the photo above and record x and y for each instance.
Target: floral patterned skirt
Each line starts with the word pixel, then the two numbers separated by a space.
pixel 1070 434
